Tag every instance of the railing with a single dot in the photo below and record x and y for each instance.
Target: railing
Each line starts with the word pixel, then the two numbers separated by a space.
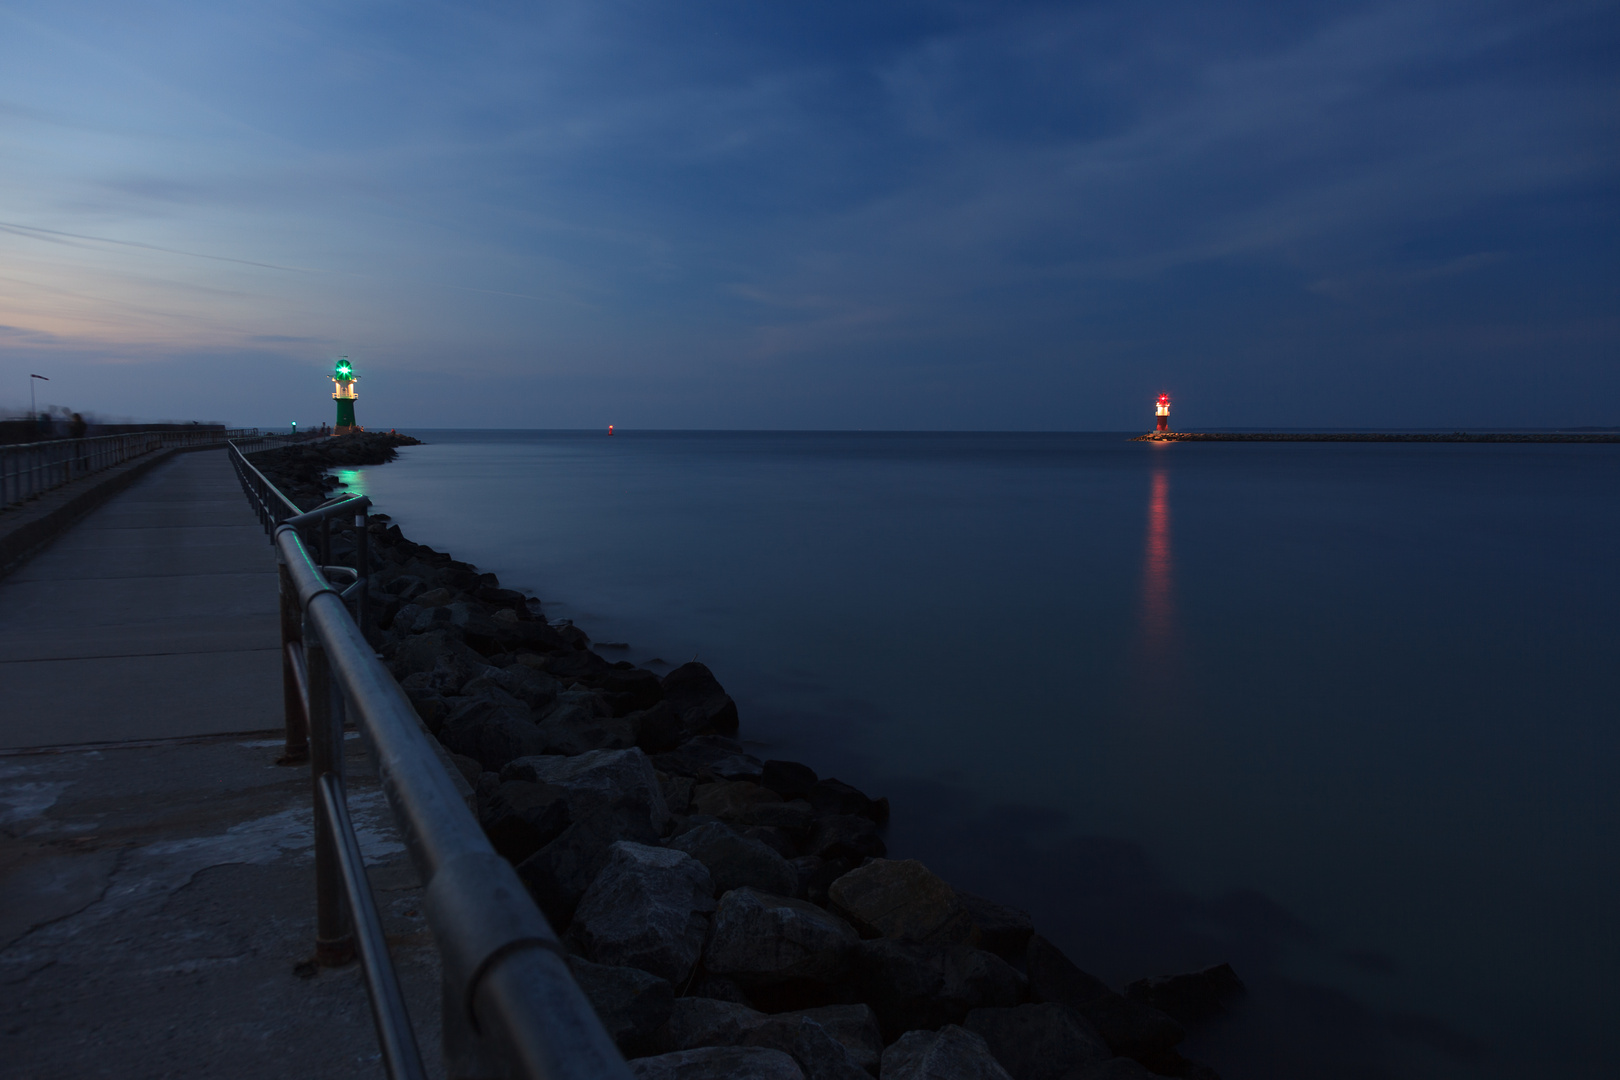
pixel 510 1007
pixel 29 470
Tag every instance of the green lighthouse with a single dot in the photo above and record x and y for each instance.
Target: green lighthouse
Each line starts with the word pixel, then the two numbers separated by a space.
pixel 343 377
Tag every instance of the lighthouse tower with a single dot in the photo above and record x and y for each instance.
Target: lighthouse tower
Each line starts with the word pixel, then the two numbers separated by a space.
pixel 1163 412
pixel 343 377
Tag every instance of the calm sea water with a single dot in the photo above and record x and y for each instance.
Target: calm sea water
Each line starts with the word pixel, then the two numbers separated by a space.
pixel 1343 715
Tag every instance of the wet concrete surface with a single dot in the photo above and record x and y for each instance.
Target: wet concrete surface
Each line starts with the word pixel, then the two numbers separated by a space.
pixel 154 617
pixel 157 917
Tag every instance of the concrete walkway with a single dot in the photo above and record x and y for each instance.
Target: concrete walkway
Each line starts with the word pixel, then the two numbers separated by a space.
pixel 152 618
pixel 157 894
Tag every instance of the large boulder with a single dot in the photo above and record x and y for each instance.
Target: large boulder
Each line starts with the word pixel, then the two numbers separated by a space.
pixel 915 986
pixel 521 817
pixel 737 861
pixel 573 736
pixel 855 1026
pixel 847 836
pixel 633 1005
pixel 711 757
pixel 1003 930
pixel 1039 1042
pixel 951 1053
pixel 761 939
pixel 1191 997
pixel 621 783
pixel 559 873
pixel 1130 1028
pixel 647 908
pixel 718 1063
pixel 493 728
pixel 425 652
pixel 535 689
pixel 699 699
pixel 901 899
pixel 789 779
pixel 819 1054
pixel 731 800
pixel 705 1021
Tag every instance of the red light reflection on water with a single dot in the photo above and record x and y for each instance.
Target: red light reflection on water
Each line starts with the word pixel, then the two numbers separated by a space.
pixel 1158 602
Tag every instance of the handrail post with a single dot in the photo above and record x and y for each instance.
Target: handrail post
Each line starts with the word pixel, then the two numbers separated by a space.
pixel 296 751
pixel 362 567
pixel 334 941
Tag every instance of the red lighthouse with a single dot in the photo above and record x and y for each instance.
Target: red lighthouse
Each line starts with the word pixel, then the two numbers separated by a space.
pixel 1163 412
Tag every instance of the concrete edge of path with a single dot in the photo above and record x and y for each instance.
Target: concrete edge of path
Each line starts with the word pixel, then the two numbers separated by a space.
pixel 33 528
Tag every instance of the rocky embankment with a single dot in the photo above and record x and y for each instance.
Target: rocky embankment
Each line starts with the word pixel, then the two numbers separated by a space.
pixel 728 917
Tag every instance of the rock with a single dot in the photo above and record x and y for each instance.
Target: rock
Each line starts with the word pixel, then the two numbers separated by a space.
pixel 761 939
pixel 573 738
pixel 914 986
pixel 952 1053
pixel 658 729
pixel 718 988
pixel 619 782
pixel 425 652
pixel 1129 1028
pixel 821 1056
pixel 571 664
pixel 521 817
pixel 832 796
pixel 469 768
pixel 1039 1042
pixel 632 1004
pixel 855 1026
pixel 559 873
pixel 1120 1068
pixel 699 700
pixel 677 792
pixel 779 841
pixel 432 707
pixel 535 689
pixel 847 836
pixel 730 800
pixel 704 1021
pixel 647 908
pixel 795 818
pixel 491 729
pixel 901 899
pixel 431 598
pixel 697 1021
pixel 640 689
pixel 708 758
pixel 735 861
pixel 820 876
pixel 788 779
pixel 576 707
pixel 1191 997
pixel 1003 930
pixel 718 1063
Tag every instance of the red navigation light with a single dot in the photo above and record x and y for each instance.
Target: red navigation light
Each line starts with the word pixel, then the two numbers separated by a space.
pixel 1164 399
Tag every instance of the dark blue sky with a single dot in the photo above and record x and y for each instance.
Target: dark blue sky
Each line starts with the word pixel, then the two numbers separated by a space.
pixel 909 215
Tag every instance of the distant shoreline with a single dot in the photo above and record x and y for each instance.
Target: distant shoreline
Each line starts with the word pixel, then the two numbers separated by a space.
pixel 1379 436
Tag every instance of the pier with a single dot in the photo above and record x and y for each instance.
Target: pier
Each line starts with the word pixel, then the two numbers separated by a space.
pixel 157 912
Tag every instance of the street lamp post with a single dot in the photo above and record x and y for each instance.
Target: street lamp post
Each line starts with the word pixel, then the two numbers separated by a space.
pixel 33 406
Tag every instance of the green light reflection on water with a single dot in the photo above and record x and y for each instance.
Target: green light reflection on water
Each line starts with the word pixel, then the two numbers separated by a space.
pixel 353 481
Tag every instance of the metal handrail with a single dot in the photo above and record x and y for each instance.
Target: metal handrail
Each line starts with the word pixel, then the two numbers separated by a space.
pixel 29 470
pixel 510 1005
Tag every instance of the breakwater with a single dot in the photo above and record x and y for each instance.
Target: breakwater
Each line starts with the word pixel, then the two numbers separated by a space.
pixel 1383 436
pixel 727 916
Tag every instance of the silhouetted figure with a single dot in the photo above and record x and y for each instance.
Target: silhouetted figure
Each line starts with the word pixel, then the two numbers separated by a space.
pixel 77 427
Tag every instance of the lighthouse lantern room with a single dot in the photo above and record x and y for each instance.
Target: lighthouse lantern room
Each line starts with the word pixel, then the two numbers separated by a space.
pixel 1163 412
pixel 343 377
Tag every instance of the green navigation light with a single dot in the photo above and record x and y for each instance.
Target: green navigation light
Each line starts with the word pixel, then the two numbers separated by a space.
pixel 344 371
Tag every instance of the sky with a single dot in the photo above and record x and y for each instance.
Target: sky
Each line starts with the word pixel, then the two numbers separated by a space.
pixel 908 215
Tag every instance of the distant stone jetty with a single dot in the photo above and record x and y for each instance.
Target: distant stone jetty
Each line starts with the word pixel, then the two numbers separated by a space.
pixel 729 918
pixel 1384 436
